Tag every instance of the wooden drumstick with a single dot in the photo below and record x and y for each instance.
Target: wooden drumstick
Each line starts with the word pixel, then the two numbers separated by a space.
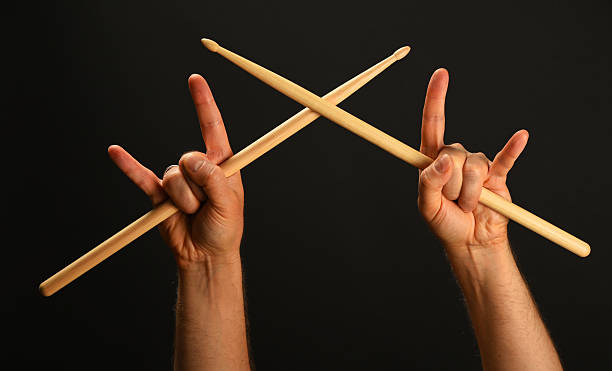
pixel 397 148
pixel 229 166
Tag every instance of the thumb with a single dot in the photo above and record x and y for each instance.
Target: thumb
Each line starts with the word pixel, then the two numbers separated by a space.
pixel 207 175
pixel 431 182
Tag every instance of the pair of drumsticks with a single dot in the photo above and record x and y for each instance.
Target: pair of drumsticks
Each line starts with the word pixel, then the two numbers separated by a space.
pixel 316 106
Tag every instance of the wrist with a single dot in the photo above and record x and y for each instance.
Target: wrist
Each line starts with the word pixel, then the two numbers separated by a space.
pixel 482 264
pixel 209 264
pixel 220 279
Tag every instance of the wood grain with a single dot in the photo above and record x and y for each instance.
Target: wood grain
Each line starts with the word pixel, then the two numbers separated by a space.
pixel 229 166
pixel 397 148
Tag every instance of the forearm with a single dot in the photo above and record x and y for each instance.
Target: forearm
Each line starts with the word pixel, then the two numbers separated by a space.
pixel 508 326
pixel 210 319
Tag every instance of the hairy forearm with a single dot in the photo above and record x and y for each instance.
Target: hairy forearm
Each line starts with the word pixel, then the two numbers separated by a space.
pixel 210 319
pixel 508 326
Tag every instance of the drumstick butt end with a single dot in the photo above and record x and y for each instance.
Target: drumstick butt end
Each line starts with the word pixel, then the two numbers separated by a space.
pixel 44 289
pixel 210 45
pixel 585 250
pixel 401 52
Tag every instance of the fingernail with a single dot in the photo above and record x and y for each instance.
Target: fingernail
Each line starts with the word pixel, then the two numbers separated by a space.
pixel 194 164
pixel 168 168
pixel 442 164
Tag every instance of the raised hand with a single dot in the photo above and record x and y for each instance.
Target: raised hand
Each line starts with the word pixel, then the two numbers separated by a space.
pixel 450 187
pixel 210 221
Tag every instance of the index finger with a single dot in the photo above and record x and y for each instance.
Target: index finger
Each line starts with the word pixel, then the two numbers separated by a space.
pixel 211 123
pixel 432 128
pixel 144 178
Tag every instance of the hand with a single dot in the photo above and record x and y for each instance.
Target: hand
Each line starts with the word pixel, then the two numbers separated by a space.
pixel 450 187
pixel 210 221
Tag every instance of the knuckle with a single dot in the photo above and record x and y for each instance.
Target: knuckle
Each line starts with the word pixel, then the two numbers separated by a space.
pixel 447 151
pixel 171 179
pixel 472 171
pixel 170 172
pixel 458 146
pixel 212 122
pixel 426 178
pixel 215 156
pixel 433 117
pixel 210 172
pixel 483 159
pixel 191 207
pixel 451 191
pixel 210 169
pixel 467 204
pixel 475 167
pixel 458 155
pixel 188 154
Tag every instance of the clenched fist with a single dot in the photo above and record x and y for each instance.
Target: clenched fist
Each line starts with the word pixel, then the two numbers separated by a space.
pixel 210 222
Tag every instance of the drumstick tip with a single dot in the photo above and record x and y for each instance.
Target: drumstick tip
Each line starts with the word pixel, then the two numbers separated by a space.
pixel 210 45
pixel 401 52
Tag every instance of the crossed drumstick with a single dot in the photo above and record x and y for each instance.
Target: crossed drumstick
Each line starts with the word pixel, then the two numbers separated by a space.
pixel 316 106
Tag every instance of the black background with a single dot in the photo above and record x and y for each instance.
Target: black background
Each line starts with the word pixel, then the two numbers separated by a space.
pixel 341 272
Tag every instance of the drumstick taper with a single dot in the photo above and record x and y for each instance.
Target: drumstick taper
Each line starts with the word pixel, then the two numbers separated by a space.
pixel 397 148
pixel 229 166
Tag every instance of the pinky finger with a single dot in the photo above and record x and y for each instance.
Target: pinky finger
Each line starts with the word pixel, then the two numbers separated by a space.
pixel 144 178
pixel 504 160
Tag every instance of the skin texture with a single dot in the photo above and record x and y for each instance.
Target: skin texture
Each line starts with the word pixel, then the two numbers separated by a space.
pixel 205 239
pixel 508 326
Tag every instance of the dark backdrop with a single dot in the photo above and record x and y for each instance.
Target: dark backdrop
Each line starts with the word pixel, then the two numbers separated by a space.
pixel 341 272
